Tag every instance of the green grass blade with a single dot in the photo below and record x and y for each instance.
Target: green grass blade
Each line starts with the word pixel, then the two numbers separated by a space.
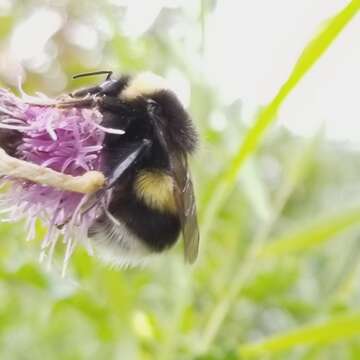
pixel 332 330
pixel 312 235
pixel 311 54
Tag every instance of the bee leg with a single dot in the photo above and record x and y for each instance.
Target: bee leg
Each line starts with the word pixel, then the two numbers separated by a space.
pixel 64 103
pixel 137 150
pixel 113 104
pixel 134 154
pixel 87 91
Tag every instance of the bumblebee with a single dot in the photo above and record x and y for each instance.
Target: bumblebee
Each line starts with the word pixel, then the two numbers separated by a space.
pixel 152 199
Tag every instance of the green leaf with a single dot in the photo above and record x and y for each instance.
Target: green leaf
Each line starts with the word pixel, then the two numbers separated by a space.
pixel 311 54
pixel 332 330
pixel 312 235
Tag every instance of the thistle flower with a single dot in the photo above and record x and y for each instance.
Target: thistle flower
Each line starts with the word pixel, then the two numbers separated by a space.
pixel 67 140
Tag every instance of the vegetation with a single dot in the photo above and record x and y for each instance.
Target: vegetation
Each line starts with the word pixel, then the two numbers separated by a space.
pixel 279 267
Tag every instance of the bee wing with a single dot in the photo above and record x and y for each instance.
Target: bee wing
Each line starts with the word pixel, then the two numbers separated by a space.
pixel 183 193
pixel 186 205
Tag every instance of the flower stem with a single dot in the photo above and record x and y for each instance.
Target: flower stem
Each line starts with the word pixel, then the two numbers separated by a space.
pixel 89 182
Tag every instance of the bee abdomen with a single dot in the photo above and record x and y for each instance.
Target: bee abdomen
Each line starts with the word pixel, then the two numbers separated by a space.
pixel 157 229
pixel 156 189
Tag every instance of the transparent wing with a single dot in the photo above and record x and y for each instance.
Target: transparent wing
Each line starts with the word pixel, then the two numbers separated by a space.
pixel 185 199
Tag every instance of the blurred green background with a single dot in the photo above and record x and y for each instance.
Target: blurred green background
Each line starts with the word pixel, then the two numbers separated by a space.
pixel 278 275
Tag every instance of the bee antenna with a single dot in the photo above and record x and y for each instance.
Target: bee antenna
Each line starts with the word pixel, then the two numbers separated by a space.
pixel 109 73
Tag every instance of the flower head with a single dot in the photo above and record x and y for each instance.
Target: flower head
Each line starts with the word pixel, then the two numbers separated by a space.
pixel 68 140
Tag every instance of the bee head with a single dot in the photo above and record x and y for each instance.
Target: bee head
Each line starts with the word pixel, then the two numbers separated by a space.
pixel 167 115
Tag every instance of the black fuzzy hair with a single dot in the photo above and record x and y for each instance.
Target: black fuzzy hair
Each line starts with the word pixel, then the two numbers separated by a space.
pixel 179 126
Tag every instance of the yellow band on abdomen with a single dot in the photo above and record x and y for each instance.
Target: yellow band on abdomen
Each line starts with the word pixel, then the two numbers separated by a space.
pixel 156 189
